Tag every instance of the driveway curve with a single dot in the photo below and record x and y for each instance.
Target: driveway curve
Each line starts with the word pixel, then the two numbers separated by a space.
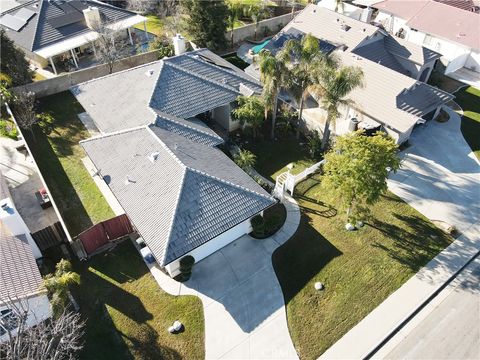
pixel 243 303
pixel 440 175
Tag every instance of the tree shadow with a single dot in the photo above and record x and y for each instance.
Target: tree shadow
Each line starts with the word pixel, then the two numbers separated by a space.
pixel 301 258
pixel 416 241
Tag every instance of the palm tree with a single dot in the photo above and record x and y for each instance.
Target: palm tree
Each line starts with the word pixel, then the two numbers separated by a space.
pixel 302 59
pixel 331 91
pixel 235 9
pixel 249 112
pixel 57 285
pixel 272 75
pixel 245 159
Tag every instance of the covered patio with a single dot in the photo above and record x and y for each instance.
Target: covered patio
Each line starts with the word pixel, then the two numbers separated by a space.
pixel 79 52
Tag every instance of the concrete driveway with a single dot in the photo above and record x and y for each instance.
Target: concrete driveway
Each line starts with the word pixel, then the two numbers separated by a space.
pixel 440 176
pixel 242 300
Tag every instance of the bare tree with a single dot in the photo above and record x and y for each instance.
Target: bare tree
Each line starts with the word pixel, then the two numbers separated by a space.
pixel 111 46
pixel 52 339
pixel 142 6
pixel 24 111
pixel 171 13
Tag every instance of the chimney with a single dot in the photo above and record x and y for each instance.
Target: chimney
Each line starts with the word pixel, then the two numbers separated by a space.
pixel 92 17
pixel 179 44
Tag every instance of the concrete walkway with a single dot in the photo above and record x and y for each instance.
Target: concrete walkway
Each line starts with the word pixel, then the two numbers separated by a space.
pixel 440 178
pixel 242 300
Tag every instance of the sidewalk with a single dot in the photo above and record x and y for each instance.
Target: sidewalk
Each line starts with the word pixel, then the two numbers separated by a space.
pixel 440 178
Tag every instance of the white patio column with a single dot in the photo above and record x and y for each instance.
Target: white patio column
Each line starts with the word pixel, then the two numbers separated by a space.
pixel 145 29
pixel 130 36
pixel 53 65
pixel 74 58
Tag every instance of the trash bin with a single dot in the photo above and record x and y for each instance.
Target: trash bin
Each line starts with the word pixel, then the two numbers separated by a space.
pixel 353 124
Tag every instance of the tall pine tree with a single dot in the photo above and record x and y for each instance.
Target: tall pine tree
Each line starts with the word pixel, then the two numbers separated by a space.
pixel 207 22
pixel 13 62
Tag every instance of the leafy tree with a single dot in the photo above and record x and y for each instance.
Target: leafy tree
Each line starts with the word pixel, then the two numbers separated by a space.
pixel 163 46
pixel 286 117
pixel 357 167
pixel 250 112
pixel 207 22
pixel 245 159
pixel 331 90
pixel 314 145
pixel 273 74
pixel 257 11
pixel 303 59
pixel 13 62
pixel 235 10
pixel 58 284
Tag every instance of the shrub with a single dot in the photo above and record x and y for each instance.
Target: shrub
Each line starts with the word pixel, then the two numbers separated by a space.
pixel 8 129
pixel 186 265
pixel 163 46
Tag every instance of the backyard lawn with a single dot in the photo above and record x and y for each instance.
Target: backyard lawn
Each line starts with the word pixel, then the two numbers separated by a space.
pixel 128 314
pixel 274 156
pixel 359 269
pixel 154 25
pixel 59 155
pixel 469 100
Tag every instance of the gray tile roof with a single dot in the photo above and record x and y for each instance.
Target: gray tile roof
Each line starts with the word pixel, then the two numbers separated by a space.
pixel 377 52
pixel 193 129
pixel 39 31
pixel 183 87
pixel 19 274
pixel 390 97
pixel 132 90
pixel 407 50
pixel 190 194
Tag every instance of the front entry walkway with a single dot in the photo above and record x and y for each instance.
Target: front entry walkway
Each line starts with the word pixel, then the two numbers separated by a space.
pixel 243 303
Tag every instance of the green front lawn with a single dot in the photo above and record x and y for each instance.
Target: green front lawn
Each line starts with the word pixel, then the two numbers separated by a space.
pixel 128 314
pixel 274 156
pixel 359 269
pixel 59 157
pixel 469 100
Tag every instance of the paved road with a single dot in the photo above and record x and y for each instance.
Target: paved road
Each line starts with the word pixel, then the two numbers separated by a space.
pixel 451 328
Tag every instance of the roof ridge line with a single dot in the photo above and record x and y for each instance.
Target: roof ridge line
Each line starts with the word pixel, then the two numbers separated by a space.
pixel 244 75
pixel 113 133
pixel 177 201
pixel 228 182
pixel 183 125
pixel 8 11
pixel 36 25
pixel 226 87
pixel 115 73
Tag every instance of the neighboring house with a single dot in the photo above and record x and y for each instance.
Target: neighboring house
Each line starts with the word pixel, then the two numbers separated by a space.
pixel 450 31
pixel 395 97
pixel 12 220
pixel 162 162
pixel 20 279
pixel 49 30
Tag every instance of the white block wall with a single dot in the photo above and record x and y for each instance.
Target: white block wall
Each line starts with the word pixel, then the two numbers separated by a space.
pixel 212 246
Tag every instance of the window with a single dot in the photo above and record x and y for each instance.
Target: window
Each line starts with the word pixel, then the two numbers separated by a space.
pixel 8 321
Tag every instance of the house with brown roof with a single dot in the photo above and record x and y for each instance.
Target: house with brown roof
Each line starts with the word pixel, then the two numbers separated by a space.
pixel 449 30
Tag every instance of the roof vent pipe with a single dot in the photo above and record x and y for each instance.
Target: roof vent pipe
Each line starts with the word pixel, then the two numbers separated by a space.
pixel 153 156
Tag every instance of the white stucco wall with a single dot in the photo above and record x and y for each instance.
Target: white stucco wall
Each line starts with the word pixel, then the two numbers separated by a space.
pixel 212 246
pixel 473 61
pixel 222 115
pixel 38 310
